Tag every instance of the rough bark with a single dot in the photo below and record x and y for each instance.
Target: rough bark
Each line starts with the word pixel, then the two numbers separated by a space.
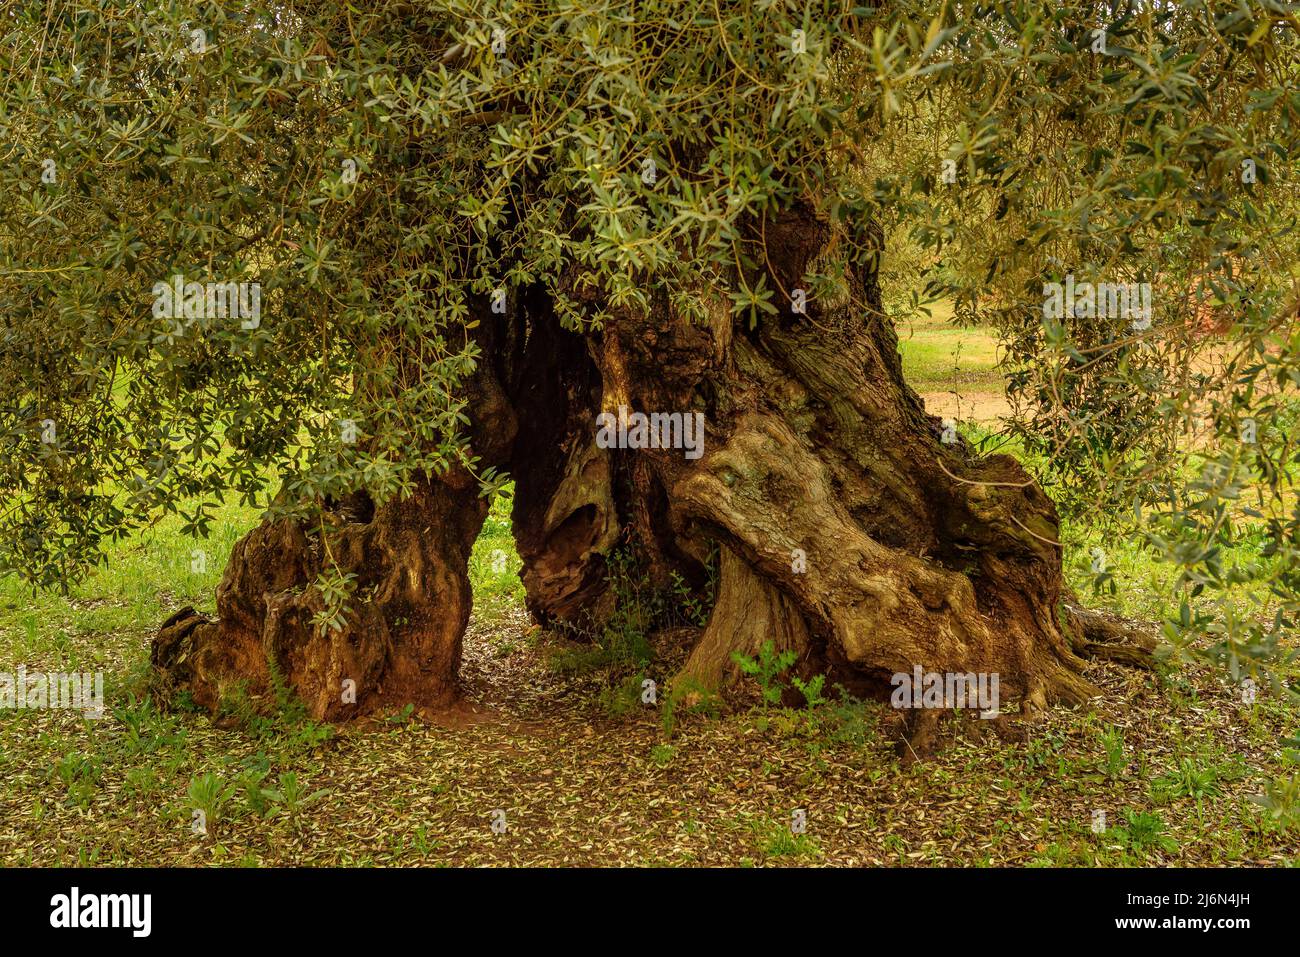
pixel 565 518
pixel 848 530
pixel 917 551
pixel 400 642
pixel 400 639
pixel 574 501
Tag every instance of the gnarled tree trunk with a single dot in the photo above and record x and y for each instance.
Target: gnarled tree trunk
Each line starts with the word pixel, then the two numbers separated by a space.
pixel 849 531
pixel 399 640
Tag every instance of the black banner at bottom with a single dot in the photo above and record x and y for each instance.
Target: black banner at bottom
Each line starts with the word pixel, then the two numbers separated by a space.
pixel 345 907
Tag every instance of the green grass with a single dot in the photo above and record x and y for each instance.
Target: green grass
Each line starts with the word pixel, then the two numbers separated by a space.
pixel 494 564
pixel 941 357
pixel 109 614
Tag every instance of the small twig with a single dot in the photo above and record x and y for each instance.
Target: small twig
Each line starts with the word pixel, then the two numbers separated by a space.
pixel 965 481
pixel 1035 534
pixel 484 119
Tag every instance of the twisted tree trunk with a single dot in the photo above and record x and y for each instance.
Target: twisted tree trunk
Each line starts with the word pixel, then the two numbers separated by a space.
pixel 400 640
pixel 849 532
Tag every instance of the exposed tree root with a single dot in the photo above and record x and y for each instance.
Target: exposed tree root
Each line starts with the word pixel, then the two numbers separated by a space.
pixel 1096 635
